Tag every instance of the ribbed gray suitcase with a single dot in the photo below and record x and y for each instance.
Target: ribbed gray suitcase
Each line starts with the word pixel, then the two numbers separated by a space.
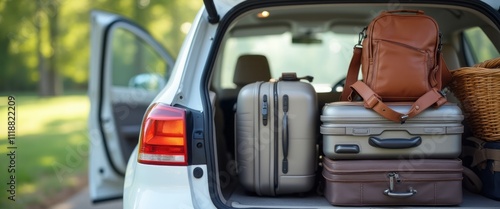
pixel 350 131
pixel 275 137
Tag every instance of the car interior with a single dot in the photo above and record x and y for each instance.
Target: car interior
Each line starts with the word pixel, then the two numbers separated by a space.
pixel 317 40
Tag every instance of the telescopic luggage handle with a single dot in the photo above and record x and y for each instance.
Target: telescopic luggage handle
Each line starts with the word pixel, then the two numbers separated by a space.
pixel 285 133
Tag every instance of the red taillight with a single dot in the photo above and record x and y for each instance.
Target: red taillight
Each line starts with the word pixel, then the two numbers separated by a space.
pixel 163 136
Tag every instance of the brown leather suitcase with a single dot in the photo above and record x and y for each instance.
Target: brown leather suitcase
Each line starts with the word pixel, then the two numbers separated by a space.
pixel 393 182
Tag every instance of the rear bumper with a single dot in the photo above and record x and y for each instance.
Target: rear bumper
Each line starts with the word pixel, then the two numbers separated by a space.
pixel 150 186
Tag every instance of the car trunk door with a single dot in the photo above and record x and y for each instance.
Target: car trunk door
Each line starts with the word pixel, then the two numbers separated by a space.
pixel 128 68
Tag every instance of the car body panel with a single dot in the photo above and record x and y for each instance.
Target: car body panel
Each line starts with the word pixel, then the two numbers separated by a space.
pixel 189 58
pixel 149 186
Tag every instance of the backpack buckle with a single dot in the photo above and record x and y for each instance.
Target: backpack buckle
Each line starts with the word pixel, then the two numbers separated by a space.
pixel 442 92
pixel 361 36
pixel 403 118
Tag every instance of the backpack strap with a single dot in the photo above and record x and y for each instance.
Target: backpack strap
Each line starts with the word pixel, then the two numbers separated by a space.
pixel 374 102
pixel 446 76
pixel 471 181
pixel 352 73
pixel 480 154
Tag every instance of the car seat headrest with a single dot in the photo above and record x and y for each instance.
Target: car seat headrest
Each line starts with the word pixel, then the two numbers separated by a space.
pixel 251 68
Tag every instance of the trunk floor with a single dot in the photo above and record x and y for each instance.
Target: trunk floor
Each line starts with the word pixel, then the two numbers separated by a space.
pixel 242 199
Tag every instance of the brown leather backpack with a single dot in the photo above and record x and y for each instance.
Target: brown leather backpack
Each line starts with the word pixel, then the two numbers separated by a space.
pixel 401 61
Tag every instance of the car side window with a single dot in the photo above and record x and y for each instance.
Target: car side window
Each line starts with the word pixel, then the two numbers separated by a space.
pixel 135 63
pixel 480 46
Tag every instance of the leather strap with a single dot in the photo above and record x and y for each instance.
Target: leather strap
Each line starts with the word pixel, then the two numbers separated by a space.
pixel 352 73
pixel 481 154
pixel 471 181
pixel 373 101
pixel 445 72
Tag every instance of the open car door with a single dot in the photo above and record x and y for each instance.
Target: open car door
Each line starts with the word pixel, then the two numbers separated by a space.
pixel 128 68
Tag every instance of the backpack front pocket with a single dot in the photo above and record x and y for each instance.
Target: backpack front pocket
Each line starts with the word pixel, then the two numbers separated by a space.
pixel 398 69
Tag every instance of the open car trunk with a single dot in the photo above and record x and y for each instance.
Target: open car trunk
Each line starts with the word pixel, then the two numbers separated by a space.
pixel 317 39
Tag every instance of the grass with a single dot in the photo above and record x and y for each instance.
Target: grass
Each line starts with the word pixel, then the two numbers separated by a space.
pixel 52 149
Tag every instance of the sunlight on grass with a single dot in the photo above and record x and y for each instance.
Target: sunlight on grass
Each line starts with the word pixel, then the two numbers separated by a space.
pixel 3 149
pixel 78 139
pixel 47 160
pixel 49 131
pixel 27 189
pixel 34 118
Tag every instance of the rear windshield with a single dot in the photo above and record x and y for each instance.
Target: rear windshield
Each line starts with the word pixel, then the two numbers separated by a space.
pixel 326 60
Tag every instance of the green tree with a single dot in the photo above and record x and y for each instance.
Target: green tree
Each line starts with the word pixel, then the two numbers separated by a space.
pixel 47 15
pixel 44 45
pixel 17 44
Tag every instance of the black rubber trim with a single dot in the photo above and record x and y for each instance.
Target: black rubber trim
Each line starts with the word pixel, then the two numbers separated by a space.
pixel 101 200
pixel 195 137
pixel 213 17
pixel 101 83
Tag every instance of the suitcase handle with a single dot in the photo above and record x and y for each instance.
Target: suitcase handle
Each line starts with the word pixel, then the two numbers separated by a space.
pixel 395 143
pixel 285 134
pixel 390 193
pixel 394 179
pixel 293 77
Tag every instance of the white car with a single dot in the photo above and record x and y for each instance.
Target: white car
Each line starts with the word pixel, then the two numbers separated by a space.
pixel 138 95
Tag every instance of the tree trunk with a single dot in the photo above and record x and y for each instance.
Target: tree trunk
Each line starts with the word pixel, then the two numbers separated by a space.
pixel 49 84
pixel 44 83
pixel 57 85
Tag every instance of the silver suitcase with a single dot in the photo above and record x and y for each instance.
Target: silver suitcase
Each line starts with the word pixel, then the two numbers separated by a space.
pixel 275 137
pixel 350 131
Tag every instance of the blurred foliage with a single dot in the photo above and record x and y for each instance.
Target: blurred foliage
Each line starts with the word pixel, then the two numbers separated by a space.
pixel 131 56
pixel 54 35
pixel 481 46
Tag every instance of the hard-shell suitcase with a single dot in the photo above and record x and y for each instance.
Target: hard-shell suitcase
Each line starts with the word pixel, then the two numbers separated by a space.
pixel 393 182
pixel 275 137
pixel 350 131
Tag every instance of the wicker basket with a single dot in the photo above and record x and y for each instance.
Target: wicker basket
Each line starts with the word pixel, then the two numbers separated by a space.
pixel 478 89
